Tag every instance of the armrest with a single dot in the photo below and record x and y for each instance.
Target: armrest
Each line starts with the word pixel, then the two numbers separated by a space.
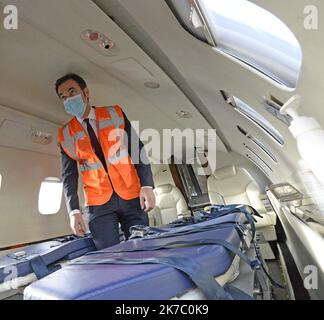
pixel 183 214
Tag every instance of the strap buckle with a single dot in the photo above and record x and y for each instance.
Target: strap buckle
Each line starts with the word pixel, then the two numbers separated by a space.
pixel 256 264
pixel 138 232
pixel 241 229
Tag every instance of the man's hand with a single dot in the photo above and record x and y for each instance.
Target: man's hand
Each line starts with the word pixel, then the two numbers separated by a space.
pixel 147 198
pixel 77 225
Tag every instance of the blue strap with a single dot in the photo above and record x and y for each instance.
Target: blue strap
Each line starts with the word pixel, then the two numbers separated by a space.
pixel 197 273
pixel 39 267
pixel 218 211
pixel 202 279
pixel 152 233
pixel 236 293
pixel 255 264
pixel 273 282
pixel 179 228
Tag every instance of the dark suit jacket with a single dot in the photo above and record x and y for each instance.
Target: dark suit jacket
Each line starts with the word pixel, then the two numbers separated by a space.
pixel 70 173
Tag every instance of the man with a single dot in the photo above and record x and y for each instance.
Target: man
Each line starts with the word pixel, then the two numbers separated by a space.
pixel 98 140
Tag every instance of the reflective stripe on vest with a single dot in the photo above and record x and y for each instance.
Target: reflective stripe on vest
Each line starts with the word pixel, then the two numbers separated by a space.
pixel 90 166
pixel 118 122
pixel 114 121
pixel 68 142
pixel 121 153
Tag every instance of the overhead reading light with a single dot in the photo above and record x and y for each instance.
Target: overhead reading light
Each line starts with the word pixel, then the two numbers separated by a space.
pixel 100 42
pixel 184 114
pixel 41 137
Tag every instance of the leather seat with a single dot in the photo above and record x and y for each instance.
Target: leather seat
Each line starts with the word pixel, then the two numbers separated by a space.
pixel 171 203
pixel 235 186
pixel 155 217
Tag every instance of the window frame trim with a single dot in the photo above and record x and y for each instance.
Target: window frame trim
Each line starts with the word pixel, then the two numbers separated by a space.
pixel 231 100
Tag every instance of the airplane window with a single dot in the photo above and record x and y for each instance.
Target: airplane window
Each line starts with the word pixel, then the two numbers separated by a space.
pixel 245 31
pixel 255 117
pixel 190 19
pixel 50 196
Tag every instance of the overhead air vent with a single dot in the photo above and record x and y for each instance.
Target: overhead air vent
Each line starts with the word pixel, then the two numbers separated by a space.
pixel 100 42
pixel 242 131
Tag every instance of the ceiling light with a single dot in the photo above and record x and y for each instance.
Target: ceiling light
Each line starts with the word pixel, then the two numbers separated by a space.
pixel 152 85
pixel 100 42
pixel 92 35
pixel 184 114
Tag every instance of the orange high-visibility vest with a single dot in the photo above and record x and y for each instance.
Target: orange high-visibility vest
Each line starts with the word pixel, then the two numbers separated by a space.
pixel 122 176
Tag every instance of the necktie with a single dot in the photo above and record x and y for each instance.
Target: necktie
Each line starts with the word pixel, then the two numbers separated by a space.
pixel 95 144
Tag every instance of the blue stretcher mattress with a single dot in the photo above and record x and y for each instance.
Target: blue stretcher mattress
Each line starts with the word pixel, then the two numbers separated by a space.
pixel 140 282
pixel 50 252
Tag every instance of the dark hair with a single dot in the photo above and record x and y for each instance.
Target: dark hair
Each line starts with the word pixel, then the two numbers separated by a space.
pixel 71 76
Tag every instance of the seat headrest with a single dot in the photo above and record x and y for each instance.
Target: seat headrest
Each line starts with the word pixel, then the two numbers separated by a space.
pixel 226 172
pixel 164 188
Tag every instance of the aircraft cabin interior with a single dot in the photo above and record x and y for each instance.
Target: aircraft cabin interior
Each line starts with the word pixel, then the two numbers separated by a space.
pixel 239 186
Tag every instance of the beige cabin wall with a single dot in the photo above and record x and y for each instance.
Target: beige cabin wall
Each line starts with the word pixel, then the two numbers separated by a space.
pixel 22 174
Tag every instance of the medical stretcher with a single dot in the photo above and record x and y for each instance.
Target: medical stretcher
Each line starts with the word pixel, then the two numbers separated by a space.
pixel 161 263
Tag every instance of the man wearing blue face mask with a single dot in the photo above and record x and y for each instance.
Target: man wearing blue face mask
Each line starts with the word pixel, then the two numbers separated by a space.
pixel 117 184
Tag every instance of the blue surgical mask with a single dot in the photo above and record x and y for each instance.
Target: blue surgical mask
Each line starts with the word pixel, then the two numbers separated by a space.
pixel 75 106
